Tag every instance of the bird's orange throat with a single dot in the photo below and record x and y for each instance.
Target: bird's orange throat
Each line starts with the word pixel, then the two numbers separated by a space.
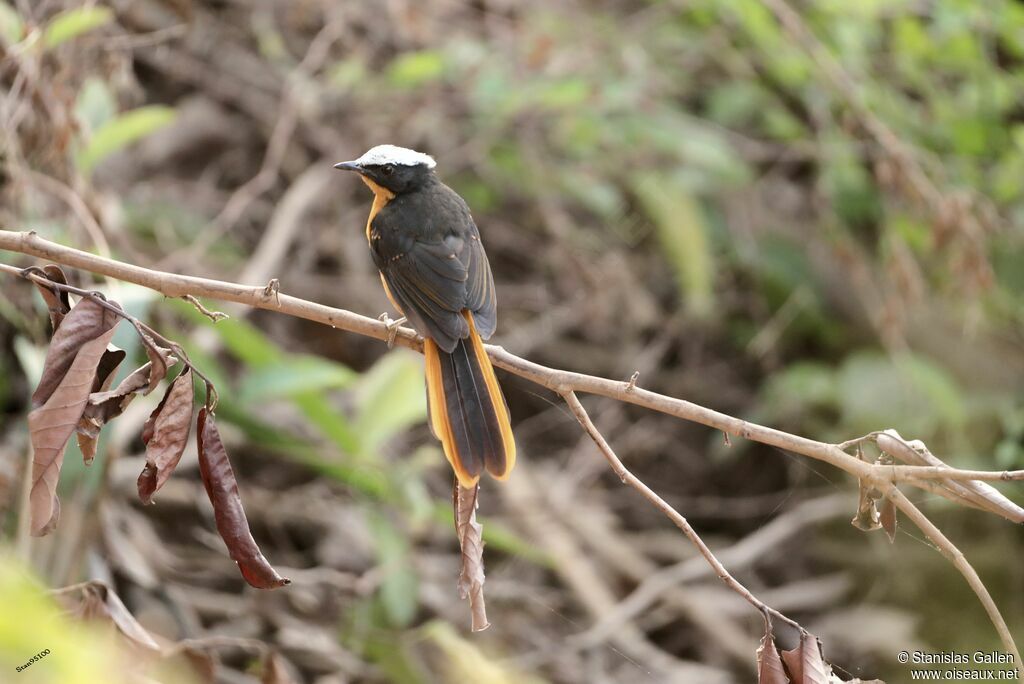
pixel 381 196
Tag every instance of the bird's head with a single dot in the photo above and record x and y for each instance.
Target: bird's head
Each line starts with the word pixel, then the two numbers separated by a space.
pixel 391 168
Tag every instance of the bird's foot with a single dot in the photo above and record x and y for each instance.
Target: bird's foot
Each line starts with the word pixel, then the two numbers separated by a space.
pixel 392 327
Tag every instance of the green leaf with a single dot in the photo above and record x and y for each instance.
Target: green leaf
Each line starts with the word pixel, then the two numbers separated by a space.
pixel 906 390
pixel 399 589
pixel 346 73
pixel 330 421
pixel 31 359
pixel 74 22
pixel 466 661
pixel 296 374
pixel 683 233
pixel 563 94
pixel 95 104
pixel 799 387
pixel 390 398
pixel 416 68
pixel 11 26
pixel 246 342
pixel 122 131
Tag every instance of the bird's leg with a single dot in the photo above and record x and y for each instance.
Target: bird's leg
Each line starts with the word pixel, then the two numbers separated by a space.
pixel 392 327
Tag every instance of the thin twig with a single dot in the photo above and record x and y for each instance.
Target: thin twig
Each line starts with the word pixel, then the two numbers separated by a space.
pixel 636 483
pixel 212 315
pixel 565 383
pixel 959 561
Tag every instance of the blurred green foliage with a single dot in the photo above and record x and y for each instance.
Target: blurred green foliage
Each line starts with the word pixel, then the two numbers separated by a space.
pixel 72 23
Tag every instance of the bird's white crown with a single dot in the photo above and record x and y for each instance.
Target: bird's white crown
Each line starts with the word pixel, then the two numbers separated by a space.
pixel 392 154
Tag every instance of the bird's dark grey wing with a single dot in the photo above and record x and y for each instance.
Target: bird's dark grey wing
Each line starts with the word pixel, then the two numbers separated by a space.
pixel 480 298
pixel 428 282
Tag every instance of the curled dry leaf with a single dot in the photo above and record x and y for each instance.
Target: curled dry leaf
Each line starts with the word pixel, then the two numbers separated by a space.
pixel 57 301
pixel 87 321
pixel 804 663
pixel 159 360
pixel 866 518
pixel 52 423
pixel 887 517
pixel 87 437
pixel 222 488
pixel 100 602
pixel 109 362
pixel 168 427
pixel 104 406
pixel 769 664
pixel 470 533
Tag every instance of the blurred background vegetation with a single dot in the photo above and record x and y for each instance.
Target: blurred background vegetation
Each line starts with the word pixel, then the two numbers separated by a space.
pixel 807 215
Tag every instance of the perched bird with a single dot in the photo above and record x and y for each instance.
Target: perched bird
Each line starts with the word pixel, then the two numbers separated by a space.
pixel 435 272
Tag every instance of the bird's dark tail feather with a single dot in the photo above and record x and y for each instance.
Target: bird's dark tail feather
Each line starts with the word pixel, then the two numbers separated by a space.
pixel 467 409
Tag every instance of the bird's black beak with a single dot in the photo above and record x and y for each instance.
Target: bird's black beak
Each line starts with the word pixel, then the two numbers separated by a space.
pixel 349 166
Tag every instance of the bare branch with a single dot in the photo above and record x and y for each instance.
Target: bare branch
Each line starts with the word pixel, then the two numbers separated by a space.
pixel 935 476
pixel 957 558
pixel 633 481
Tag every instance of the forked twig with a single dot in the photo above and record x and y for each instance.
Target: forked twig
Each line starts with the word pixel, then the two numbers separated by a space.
pixel 567 384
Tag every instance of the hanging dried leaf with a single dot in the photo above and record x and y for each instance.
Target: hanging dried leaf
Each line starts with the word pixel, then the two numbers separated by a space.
pixel 866 518
pixel 87 445
pixel 887 516
pixel 104 406
pixel 150 424
pixel 86 321
pixel 222 488
pixel 769 664
pixel 100 602
pixel 169 428
pixel 109 362
pixel 51 425
pixel 470 533
pixel 87 436
pixel 57 301
pixel 158 362
pixel 804 663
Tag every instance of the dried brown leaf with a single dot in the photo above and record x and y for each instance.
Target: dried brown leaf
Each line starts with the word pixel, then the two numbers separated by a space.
pixel 51 425
pixel 887 517
pixel 88 429
pixel 150 424
pixel 86 321
pixel 169 428
pixel 222 488
pixel 100 602
pixel 769 664
pixel 107 405
pixel 804 663
pixel 158 362
pixel 470 533
pixel 104 406
pixel 866 518
pixel 57 301
pixel 108 364
pixel 87 444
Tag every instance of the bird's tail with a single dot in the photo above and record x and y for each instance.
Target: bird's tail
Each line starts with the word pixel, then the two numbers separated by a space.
pixel 467 409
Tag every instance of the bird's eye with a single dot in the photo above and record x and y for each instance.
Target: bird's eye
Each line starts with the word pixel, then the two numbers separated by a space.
pixel 387 169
